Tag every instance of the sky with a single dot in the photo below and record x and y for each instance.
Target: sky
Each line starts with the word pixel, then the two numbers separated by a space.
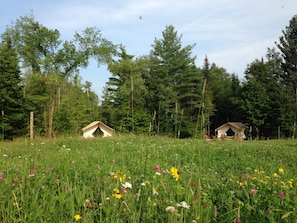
pixel 232 33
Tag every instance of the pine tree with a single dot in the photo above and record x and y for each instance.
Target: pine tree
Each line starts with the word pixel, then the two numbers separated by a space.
pixel 13 114
pixel 170 60
pixel 288 48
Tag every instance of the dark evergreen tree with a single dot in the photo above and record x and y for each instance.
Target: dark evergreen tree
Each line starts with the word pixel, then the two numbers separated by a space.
pixel 169 61
pixel 125 94
pixel 288 47
pixel 14 120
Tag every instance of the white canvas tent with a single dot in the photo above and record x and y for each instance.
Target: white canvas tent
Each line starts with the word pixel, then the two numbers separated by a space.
pixel 96 128
pixel 231 130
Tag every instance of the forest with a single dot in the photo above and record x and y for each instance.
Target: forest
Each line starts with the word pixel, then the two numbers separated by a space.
pixel 161 93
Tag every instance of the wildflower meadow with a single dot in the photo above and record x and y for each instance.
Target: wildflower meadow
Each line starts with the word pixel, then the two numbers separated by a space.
pixel 148 179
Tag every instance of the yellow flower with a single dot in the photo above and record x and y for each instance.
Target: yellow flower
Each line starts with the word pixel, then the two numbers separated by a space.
pixel 281 170
pixel 290 183
pixel 117 194
pixel 240 203
pixel 174 172
pixel 77 217
pixel 240 183
pixel 119 175
pixel 275 175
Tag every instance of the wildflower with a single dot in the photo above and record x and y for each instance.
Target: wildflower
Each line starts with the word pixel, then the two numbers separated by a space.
pixel 246 176
pixel 275 175
pixel 281 194
pixel 42 187
pixel 281 170
pixel 117 194
pixel 77 217
pixel 127 185
pixel 240 203
pixel 1 178
pixel 183 204
pixel 170 209
pixel 253 191
pixel 175 173
pixel 119 175
pixel 68 191
pixel 155 192
pixel 240 183
pixel 157 168
pixel 88 203
pixel 158 174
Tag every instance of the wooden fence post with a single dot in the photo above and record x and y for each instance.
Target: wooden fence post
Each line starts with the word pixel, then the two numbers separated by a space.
pixel 31 125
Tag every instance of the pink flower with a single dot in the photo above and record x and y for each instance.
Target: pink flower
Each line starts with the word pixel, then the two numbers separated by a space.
pixel 246 176
pixel 157 168
pixel 68 191
pixel 57 180
pixel 253 191
pixel 281 194
pixel 1 178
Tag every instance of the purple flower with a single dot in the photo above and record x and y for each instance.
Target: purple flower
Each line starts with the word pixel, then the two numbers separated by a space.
pixel 281 194
pixel 157 168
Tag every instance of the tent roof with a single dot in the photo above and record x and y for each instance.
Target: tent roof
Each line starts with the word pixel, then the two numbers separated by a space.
pixel 94 124
pixel 236 125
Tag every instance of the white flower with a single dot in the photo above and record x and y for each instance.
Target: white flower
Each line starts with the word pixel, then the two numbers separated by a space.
pixel 158 173
pixel 170 209
pixel 183 204
pixel 127 185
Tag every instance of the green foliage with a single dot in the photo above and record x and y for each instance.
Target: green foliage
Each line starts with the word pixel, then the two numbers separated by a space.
pixel 49 64
pixel 170 63
pixel 124 96
pixel 163 93
pixel 13 121
pixel 131 179
pixel 288 48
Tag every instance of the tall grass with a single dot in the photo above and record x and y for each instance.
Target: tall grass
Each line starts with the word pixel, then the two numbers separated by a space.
pixel 129 179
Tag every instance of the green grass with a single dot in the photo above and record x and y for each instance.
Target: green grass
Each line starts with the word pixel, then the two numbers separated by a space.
pixel 221 181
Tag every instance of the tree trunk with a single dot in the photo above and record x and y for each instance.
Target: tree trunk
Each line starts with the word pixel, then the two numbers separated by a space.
pixel 51 117
pixel 295 115
pixel 257 133
pixel 45 119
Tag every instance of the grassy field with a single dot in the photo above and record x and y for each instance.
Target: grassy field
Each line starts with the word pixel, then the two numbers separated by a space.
pixel 148 179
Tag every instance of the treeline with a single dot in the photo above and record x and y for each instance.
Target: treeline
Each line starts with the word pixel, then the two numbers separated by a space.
pixel 162 93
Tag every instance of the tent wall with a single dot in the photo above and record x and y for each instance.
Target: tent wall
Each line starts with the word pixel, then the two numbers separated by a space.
pixel 89 133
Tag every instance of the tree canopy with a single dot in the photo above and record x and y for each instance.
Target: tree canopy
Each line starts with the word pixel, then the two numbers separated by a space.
pixel 161 93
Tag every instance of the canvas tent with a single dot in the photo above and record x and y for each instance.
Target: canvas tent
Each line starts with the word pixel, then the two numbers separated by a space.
pixel 231 130
pixel 96 128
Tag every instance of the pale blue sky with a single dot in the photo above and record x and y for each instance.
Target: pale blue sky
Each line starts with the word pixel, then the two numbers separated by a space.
pixel 232 33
